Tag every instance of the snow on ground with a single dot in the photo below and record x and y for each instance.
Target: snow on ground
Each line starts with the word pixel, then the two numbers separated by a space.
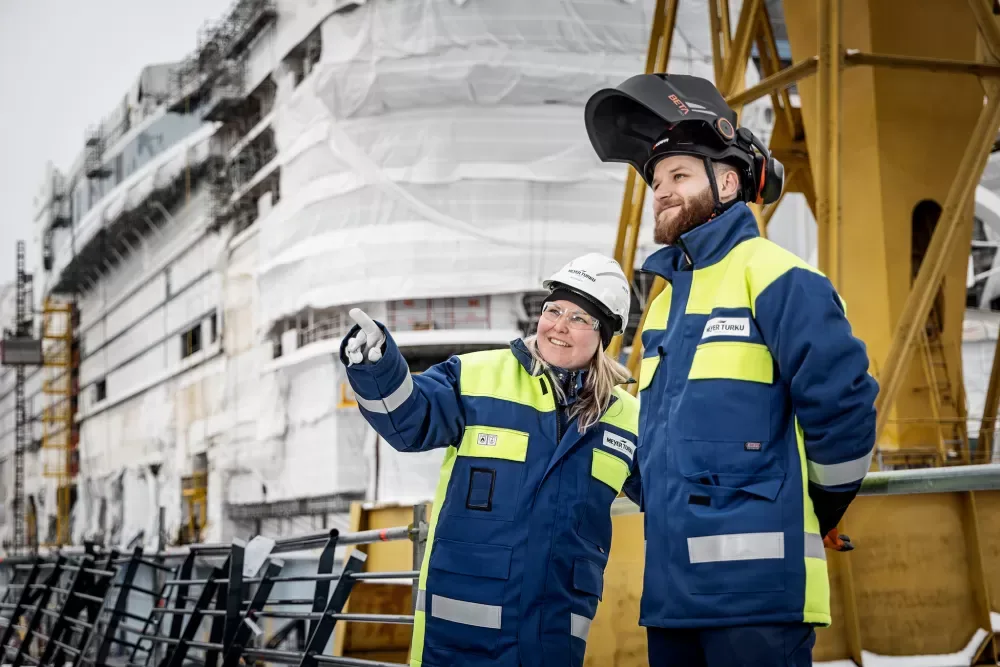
pixel 962 658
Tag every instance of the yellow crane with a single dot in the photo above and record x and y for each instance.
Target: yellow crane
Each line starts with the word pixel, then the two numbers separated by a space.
pixel 902 103
pixel 897 117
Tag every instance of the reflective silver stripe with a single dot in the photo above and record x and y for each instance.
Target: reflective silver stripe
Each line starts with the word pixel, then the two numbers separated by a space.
pixel 814 546
pixel 467 613
pixel 739 546
pixel 421 600
pixel 390 402
pixel 579 626
pixel 840 473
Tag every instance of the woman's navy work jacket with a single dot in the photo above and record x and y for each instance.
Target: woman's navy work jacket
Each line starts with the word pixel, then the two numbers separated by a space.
pixel 520 528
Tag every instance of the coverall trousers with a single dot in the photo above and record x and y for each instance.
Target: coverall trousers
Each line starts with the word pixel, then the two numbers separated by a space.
pixel 745 646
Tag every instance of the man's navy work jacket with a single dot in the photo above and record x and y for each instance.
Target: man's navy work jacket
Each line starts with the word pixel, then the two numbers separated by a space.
pixel 756 428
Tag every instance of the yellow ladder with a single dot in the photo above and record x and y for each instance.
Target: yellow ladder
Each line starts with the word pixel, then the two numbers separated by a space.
pixel 947 404
pixel 58 441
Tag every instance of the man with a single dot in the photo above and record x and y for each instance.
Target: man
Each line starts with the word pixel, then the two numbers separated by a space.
pixel 757 419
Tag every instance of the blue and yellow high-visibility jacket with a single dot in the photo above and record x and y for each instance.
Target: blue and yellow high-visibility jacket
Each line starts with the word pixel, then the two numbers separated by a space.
pixel 520 527
pixel 756 428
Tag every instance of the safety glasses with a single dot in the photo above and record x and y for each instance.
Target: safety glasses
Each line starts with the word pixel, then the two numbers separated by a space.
pixel 576 319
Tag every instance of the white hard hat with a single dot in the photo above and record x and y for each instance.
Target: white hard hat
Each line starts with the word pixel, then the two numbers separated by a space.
pixel 602 280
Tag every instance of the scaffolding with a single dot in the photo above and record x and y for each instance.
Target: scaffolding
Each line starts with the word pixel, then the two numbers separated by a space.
pixel 21 349
pixel 213 81
pixel 58 431
pixel 59 217
pixel 93 159
pixel 220 190
pixel 229 92
pixel 252 172
pixel 219 46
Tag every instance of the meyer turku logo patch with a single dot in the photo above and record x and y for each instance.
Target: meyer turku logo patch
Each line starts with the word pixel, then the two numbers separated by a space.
pixel 727 326
pixel 619 444
pixel 486 439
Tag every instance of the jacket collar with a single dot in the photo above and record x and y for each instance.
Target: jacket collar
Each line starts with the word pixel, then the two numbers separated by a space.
pixel 572 382
pixel 522 354
pixel 706 244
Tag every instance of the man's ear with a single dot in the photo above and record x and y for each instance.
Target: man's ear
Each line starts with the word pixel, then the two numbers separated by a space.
pixel 730 185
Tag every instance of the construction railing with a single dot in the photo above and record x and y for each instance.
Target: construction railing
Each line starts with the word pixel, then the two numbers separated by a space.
pixel 205 604
pixel 49 606
pixel 82 610
pixel 923 579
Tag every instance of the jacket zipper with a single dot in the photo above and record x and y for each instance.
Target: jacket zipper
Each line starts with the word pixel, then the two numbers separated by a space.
pixel 546 381
pixel 558 425
pixel 558 417
pixel 687 255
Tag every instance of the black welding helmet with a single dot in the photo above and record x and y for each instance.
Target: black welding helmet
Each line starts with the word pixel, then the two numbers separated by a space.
pixel 651 116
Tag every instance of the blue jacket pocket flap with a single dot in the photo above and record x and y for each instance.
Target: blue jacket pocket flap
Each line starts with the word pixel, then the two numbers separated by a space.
pixel 476 560
pixel 588 577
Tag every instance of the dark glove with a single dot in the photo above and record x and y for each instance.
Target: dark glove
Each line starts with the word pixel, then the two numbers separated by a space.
pixel 834 540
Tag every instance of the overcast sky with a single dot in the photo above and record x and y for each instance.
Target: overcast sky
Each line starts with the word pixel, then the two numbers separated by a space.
pixel 63 66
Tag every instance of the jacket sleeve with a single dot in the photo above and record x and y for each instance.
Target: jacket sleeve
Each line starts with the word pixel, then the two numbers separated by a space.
pixel 414 413
pixel 633 485
pixel 805 326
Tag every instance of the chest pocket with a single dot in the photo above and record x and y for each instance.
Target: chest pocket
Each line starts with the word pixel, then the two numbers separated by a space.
pixel 607 476
pixel 749 362
pixel 609 469
pixel 647 369
pixel 487 478
pixel 734 377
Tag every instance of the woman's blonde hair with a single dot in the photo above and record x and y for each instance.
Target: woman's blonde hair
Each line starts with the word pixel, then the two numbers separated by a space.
pixel 603 375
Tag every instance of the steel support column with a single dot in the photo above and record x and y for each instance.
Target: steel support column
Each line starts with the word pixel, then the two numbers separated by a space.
pixel 828 131
pixel 977 572
pixel 719 49
pixel 630 218
pixel 932 268
pixel 849 595
pixel 735 67
pixel 770 63
pixel 726 31
pixel 988 426
pixel 941 65
pixel 989 30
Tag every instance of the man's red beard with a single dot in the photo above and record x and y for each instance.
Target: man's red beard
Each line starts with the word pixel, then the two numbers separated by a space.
pixel 693 212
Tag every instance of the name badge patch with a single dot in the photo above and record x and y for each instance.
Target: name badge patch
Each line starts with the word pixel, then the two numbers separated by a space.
pixel 620 444
pixel 727 326
pixel 486 439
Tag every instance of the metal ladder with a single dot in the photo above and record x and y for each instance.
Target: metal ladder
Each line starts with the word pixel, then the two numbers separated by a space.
pixel 951 425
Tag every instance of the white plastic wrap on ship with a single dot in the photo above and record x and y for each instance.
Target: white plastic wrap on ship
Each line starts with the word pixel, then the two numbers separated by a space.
pixel 441 139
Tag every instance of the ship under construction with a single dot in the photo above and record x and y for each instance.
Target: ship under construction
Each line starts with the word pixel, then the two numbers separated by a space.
pixel 170 386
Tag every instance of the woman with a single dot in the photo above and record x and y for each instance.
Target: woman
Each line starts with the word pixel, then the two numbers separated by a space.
pixel 540 440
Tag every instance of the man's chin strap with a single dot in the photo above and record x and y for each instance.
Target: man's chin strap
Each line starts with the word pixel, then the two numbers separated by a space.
pixel 715 187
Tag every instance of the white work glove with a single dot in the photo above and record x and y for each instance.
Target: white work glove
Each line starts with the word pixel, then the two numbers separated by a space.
pixel 367 343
